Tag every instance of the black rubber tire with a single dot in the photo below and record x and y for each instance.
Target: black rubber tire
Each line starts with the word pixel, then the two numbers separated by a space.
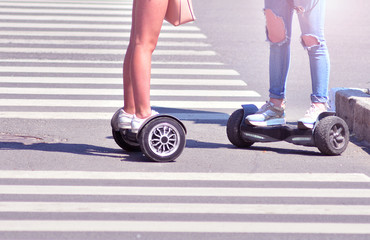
pixel 162 139
pixel 331 136
pixel 125 145
pixel 233 130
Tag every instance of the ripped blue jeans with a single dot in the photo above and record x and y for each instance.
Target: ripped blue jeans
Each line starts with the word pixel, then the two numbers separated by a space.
pixel 311 16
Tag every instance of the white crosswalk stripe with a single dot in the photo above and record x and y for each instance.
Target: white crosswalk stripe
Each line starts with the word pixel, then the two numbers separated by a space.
pixel 229 203
pixel 154 81
pixel 68 55
pixel 97 34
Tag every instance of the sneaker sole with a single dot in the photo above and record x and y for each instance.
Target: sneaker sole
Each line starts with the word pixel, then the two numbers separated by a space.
pixel 124 126
pixel 268 123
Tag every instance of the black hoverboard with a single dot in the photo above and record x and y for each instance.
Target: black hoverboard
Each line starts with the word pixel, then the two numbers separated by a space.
pixel 330 133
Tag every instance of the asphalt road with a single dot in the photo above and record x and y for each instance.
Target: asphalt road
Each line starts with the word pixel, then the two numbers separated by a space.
pixel 62 175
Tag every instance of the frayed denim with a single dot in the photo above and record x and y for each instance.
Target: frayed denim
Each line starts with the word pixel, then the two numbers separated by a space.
pixel 311 15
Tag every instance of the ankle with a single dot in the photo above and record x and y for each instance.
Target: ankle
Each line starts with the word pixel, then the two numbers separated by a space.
pixel 280 103
pixel 129 110
pixel 144 115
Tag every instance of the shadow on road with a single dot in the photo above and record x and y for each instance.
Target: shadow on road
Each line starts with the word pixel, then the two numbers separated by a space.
pixel 208 145
pixel 80 149
pixel 77 149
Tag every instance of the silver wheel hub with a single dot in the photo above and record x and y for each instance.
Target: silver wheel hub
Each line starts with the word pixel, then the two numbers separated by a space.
pixel 164 139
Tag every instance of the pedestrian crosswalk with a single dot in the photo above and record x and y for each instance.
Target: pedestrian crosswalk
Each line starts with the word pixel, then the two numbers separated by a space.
pixel 277 206
pixel 63 60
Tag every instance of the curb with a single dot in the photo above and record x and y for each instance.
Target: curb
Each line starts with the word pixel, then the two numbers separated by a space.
pixel 353 105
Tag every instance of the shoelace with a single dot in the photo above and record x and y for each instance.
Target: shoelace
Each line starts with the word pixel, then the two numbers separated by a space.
pixel 264 107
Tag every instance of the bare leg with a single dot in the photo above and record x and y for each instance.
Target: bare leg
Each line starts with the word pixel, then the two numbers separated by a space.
pixel 128 92
pixel 148 17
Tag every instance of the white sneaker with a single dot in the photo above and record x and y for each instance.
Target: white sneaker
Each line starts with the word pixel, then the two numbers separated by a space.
pixel 267 115
pixel 121 119
pixel 309 119
pixel 124 119
pixel 136 122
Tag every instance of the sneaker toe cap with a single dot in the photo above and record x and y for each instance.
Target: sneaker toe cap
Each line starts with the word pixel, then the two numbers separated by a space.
pixel 256 117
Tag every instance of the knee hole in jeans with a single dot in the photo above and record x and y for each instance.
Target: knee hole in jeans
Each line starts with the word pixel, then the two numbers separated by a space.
pixel 275 27
pixel 310 41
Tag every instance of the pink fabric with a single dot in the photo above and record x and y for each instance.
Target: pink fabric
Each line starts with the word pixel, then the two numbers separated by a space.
pixel 179 12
